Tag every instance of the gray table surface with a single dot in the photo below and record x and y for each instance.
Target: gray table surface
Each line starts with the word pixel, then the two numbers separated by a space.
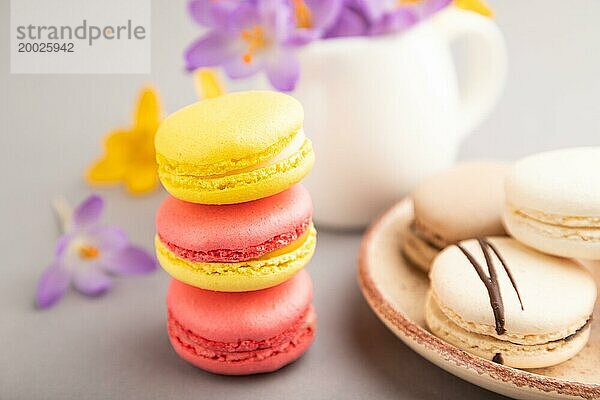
pixel 117 347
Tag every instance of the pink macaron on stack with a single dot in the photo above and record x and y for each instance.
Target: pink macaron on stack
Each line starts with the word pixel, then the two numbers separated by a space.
pixel 240 301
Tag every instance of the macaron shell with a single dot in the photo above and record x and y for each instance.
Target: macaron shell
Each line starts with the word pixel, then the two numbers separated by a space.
pixel 206 228
pixel 253 362
pixel 241 276
pixel 232 131
pixel 562 182
pixel 555 239
pixel 234 317
pixel 240 187
pixel 513 355
pixel 462 202
pixel 558 294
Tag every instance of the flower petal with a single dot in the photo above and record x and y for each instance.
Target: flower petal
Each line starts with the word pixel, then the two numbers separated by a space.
pixel 131 260
pixel 92 281
pixel 88 212
pixel 302 37
pixel 432 6
pixel 61 245
pixel 147 113
pixel 52 286
pixel 283 70
pixel 107 238
pixel 478 6
pixel 324 12
pixel 237 68
pixel 118 147
pixel 268 9
pixel 207 82
pixel 234 20
pixel 222 14
pixel 277 19
pixel 349 23
pixel 201 11
pixel 105 170
pixel 142 178
pixel 395 21
pixel 213 49
pixel 372 10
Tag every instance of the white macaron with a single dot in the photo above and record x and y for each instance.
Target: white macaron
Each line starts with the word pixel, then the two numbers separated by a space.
pixel 462 202
pixel 506 302
pixel 553 202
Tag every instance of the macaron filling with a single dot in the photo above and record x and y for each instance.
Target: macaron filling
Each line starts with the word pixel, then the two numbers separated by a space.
pixel 298 252
pixel 199 185
pixel 299 234
pixel 558 226
pixel 517 338
pixel 267 271
pixel 274 154
pixel 245 349
pixel 293 147
pixel 432 239
pixel 505 351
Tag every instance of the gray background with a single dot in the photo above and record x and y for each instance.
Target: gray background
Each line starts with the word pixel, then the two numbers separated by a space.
pixel 116 347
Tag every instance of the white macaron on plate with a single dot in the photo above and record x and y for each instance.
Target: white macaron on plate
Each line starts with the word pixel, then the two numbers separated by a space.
pixel 397 292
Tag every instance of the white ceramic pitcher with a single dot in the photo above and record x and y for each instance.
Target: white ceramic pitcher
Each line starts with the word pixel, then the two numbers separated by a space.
pixel 386 112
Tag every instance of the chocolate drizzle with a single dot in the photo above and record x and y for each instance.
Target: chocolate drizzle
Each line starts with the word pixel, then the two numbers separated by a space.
pixel 491 282
pixel 498 358
pixel 572 335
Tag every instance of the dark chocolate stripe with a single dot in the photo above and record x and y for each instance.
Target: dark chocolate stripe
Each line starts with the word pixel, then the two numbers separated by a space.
pixel 491 282
pixel 508 272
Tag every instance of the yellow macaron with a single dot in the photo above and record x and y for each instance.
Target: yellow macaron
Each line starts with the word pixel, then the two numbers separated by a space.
pixel 234 148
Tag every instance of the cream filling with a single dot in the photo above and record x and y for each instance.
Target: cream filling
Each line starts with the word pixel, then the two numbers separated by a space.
pixel 515 338
pixel 558 226
pixel 292 148
pixel 515 355
pixel 278 261
pixel 571 221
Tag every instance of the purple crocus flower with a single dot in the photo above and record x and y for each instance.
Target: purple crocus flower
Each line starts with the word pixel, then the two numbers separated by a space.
pixel 379 17
pixel 87 254
pixel 249 36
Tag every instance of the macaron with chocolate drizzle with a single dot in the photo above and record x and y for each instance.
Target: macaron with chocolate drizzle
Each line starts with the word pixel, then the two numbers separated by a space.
pixel 463 202
pixel 503 301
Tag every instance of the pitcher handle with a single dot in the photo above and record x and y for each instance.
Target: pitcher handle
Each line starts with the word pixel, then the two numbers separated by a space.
pixel 486 63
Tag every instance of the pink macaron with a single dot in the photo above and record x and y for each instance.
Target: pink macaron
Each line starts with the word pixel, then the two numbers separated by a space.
pixel 242 333
pixel 237 247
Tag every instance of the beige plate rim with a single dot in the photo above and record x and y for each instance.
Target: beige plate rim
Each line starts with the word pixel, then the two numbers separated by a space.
pixel 466 366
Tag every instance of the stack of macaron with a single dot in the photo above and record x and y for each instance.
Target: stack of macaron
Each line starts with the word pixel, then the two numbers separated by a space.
pixel 501 245
pixel 235 232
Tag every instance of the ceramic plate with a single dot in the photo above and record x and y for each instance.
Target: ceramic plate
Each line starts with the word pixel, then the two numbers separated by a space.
pixel 396 292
